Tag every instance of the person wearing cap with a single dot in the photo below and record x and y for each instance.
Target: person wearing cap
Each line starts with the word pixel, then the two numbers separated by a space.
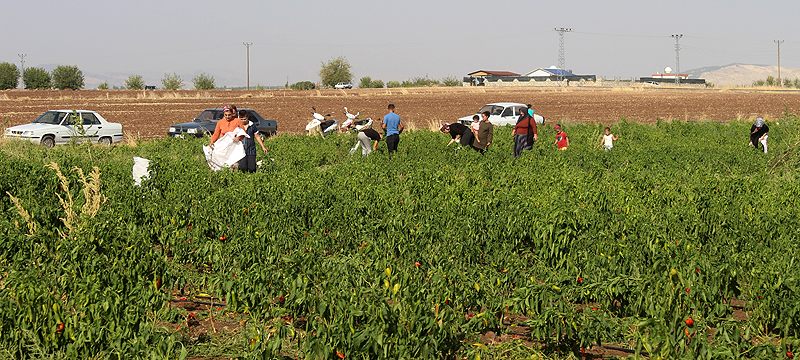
pixel 759 133
pixel 228 123
pixel 458 133
pixel 525 133
pixel 248 163
pixel 484 135
pixel 562 140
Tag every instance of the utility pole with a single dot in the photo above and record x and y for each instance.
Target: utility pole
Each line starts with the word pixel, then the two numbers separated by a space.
pixel 677 38
pixel 562 57
pixel 247 45
pixel 22 66
pixel 779 42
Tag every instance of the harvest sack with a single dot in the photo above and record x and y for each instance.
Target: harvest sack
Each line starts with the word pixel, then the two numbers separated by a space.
pixel 226 150
pixel 141 170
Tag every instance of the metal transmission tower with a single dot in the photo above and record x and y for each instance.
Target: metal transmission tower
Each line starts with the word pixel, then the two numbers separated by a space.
pixel 677 38
pixel 562 57
pixel 22 66
pixel 248 45
pixel 779 42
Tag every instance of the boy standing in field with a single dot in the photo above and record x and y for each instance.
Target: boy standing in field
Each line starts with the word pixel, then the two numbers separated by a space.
pixel 608 139
pixel 392 127
pixel 562 141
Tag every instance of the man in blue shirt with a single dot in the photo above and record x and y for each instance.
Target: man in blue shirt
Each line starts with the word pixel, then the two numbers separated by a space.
pixel 393 128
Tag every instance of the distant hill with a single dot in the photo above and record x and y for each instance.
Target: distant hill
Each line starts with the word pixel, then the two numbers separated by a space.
pixel 741 74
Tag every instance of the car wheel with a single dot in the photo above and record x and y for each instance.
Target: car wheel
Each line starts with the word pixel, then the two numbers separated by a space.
pixel 49 141
pixel 104 141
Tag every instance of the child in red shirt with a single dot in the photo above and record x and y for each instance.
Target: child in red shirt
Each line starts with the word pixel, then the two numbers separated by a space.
pixel 562 141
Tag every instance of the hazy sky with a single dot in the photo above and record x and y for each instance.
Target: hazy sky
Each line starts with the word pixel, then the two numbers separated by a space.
pixel 391 40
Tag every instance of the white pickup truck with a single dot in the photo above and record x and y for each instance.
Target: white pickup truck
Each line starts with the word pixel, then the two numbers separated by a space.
pixel 504 113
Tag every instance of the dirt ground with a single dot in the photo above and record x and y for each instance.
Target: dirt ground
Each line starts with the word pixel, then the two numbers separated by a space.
pixel 149 114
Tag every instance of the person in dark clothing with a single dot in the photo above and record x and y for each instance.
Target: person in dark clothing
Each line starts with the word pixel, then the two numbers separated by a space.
pixel 248 163
pixel 525 133
pixel 457 132
pixel 759 133
pixel 484 134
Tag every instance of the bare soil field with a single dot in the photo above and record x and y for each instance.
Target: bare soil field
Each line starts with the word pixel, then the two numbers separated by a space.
pixel 149 114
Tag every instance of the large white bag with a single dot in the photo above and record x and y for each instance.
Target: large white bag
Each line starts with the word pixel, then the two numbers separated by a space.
pixel 141 170
pixel 226 151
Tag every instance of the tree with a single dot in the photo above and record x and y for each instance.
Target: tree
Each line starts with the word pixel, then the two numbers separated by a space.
pixel 203 81
pixel 67 77
pixel 303 85
pixel 451 81
pixel 366 82
pixel 393 84
pixel 102 86
pixel 36 78
pixel 335 71
pixel 134 82
pixel 172 81
pixel 9 76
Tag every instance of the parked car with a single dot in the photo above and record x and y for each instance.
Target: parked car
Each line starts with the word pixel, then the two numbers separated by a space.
pixel 502 114
pixel 206 121
pixel 59 127
pixel 343 85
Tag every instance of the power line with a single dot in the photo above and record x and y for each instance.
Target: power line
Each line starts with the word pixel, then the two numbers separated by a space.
pixel 677 38
pixel 562 57
pixel 247 45
pixel 22 66
pixel 779 42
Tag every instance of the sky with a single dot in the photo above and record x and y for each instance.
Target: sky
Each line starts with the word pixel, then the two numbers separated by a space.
pixel 391 40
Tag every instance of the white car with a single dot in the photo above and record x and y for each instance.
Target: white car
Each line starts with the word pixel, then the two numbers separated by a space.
pixel 502 114
pixel 343 85
pixel 58 127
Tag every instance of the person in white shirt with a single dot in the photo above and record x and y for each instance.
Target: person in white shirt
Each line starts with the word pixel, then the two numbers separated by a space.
pixel 608 139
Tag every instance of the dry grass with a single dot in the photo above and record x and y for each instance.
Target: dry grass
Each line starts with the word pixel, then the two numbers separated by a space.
pixel 93 199
pixel 24 214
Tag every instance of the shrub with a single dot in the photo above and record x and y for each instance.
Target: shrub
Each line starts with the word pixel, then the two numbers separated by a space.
pixel 303 85
pixel 335 71
pixel 102 86
pixel 367 83
pixel 9 76
pixel 134 82
pixel 36 78
pixel 420 82
pixel 67 77
pixel 451 81
pixel 393 84
pixel 172 81
pixel 204 81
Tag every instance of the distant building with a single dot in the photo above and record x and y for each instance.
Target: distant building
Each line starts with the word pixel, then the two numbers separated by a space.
pixel 551 76
pixel 670 78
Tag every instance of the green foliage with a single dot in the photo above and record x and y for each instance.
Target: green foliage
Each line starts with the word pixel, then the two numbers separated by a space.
pixel 67 77
pixel 103 86
pixel 36 78
pixel 172 81
pixel 367 83
pixel 428 253
pixel 203 81
pixel 393 84
pixel 134 82
pixel 420 82
pixel 451 81
pixel 335 71
pixel 9 76
pixel 302 85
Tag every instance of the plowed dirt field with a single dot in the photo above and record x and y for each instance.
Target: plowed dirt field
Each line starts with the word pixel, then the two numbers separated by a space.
pixel 149 114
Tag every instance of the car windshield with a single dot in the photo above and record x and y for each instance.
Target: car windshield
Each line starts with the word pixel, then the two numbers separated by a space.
pixel 209 115
pixel 50 117
pixel 492 109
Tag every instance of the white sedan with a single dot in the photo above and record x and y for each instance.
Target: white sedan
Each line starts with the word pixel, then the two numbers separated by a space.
pixel 66 126
pixel 503 114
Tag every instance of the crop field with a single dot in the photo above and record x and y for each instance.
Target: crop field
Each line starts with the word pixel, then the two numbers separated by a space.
pixel 681 242
pixel 149 114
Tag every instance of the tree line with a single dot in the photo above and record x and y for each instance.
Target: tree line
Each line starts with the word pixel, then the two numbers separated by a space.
pixel 339 70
